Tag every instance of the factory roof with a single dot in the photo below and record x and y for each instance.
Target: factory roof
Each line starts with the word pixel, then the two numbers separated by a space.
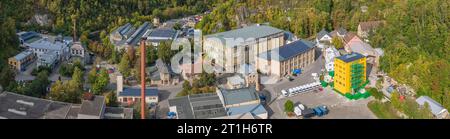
pixel 199 106
pixel 93 107
pixel 137 35
pixel 435 107
pixel 157 35
pixel 16 106
pixel 23 55
pixel 254 31
pixel 137 92
pixel 254 109
pixel 48 44
pixel 287 51
pixel 237 96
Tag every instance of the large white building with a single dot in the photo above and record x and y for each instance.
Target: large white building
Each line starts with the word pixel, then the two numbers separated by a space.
pixel 223 51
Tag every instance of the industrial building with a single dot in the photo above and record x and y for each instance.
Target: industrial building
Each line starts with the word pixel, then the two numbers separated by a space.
pixel 284 60
pixel 15 106
pixel 131 95
pixel 21 60
pixel 224 50
pixel 157 36
pixel 199 106
pixel 350 72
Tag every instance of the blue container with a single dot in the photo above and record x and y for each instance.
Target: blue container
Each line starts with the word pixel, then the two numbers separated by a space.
pixel 318 112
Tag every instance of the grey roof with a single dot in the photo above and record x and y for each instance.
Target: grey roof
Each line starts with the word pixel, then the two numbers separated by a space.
pixel 162 67
pixel 322 33
pixel 48 44
pixel 199 106
pixel 254 109
pixel 287 51
pixel 162 34
pixel 255 31
pixel 28 35
pixel 137 92
pixel 15 106
pixel 123 30
pixel 138 34
pixel 237 96
pixel 435 107
pixel 22 55
pixel 350 57
pixel 118 113
pixel 342 31
pixel 93 107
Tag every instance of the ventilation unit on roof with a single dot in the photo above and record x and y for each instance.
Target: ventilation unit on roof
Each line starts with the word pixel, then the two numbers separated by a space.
pixel 23 113
pixel 25 103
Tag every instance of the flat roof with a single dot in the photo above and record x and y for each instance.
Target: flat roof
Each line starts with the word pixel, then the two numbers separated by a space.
pixel 48 44
pixel 288 51
pixel 16 106
pixel 22 55
pixel 137 35
pixel 435 107
pixel 199 106
pixel 350 57
pixel 118 113
pixel 93 107
pixel 237 96
pixel 254 31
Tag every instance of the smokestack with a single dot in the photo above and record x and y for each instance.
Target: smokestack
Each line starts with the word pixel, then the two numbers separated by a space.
pixel 143 106
pixel 119 84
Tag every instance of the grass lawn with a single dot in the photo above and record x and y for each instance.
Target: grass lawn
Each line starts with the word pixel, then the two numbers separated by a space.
pixel 383 110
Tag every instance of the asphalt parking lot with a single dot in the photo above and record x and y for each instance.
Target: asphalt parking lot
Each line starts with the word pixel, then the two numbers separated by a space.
pixel 339 106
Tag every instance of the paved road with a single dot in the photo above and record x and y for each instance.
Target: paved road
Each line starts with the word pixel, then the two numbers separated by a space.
pixel 166 93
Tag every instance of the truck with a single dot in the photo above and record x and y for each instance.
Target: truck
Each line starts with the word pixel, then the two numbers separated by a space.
pixel 299 109
pixel 320 110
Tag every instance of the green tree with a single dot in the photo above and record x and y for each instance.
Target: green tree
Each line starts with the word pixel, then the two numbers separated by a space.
pixel 92 76
pixel 289 106
pixel 337 43
pixel 101 82
pixel 375 93
pixel 6 77
pixel 124 66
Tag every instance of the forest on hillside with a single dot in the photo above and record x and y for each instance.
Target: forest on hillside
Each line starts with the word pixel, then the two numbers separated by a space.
pixel 416 39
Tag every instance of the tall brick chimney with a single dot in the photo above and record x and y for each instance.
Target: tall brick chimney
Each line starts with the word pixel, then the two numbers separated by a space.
pixel 142 50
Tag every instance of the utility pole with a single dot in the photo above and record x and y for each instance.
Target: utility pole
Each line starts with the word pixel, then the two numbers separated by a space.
pixel 143 106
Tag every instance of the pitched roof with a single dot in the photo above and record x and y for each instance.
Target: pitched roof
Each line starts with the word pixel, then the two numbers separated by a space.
pixel 350 57
pixel 369 25
pixel 322 33
pixel 435 107
pixel 255 31
pixel 342 31
pixel 349 36
pixel 287 51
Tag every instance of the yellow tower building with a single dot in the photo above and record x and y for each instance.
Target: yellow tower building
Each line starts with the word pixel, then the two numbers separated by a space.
pixel 350 73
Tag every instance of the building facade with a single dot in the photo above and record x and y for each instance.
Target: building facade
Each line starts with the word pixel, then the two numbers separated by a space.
pixel 350 72
pixel 284 60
